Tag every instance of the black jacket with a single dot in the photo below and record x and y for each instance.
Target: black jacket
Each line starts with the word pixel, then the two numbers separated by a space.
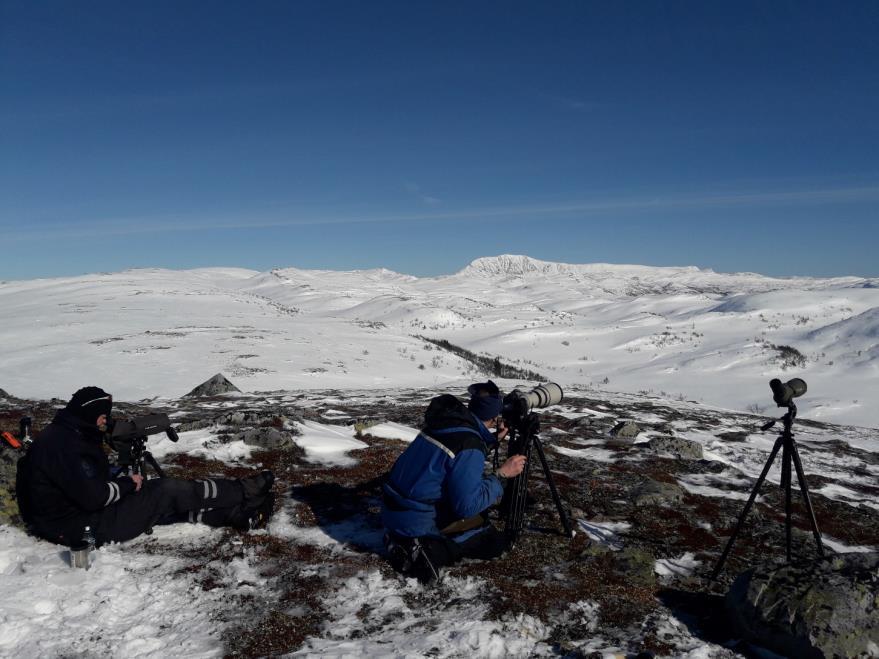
pixel 65 480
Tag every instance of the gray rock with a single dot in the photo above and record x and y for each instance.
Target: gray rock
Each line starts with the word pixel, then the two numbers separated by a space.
pixel 826 607
pixel 3 394
pixel 213 387
pixel 625 430
pixel 656 493
pixel 685 449
pixel 269 439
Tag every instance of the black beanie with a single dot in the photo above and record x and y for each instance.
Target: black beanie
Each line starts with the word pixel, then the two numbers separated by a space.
pixel 89 403
pixel 486 401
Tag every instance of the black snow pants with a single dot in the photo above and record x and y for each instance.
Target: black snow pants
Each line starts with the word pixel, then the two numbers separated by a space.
pixel 168 500
pixel 423 557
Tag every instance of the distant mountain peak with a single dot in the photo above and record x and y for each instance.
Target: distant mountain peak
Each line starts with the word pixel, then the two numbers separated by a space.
pixel 512 265
pixel 519 265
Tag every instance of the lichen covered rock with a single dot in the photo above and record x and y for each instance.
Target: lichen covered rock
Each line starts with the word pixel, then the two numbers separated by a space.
pixel 827 607
pixel 686 449
pixel 625 430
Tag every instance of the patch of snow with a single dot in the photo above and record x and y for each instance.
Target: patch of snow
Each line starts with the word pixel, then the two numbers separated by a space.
pixel 143 604
pixel 597 454
pixel 327 444
pixel 841 548
pixel 391 430
pixel 682 566
pixel 605 533
pixel 369 616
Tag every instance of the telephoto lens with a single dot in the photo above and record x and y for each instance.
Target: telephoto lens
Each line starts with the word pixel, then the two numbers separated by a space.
pixel 517 404
pixel 544 395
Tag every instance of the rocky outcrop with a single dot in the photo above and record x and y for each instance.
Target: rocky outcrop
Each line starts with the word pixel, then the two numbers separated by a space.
pixel 213 387
pixel 827 607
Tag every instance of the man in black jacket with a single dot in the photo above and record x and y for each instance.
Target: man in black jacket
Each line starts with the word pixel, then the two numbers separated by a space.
pixel 65 485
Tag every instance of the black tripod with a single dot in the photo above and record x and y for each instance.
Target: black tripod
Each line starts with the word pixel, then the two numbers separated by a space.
pixel 789 455
pixel 523 438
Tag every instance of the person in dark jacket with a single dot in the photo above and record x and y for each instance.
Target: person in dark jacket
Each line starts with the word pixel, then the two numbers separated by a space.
pixel 436 491
pixel 65 485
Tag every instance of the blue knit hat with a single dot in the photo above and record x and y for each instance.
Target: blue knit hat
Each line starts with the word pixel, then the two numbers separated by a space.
pixel 486 401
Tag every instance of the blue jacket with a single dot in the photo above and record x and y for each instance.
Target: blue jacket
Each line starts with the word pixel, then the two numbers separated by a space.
pixel 438 479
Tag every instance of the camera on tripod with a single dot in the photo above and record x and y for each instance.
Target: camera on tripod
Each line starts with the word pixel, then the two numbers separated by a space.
pixel 783 393
pixel 518 404
pixel 128 438
pixel 524 424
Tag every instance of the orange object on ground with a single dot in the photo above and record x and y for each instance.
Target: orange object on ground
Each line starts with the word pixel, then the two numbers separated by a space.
pixel 10 439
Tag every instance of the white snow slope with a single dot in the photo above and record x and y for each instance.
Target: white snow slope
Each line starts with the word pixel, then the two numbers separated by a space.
pixel 678 332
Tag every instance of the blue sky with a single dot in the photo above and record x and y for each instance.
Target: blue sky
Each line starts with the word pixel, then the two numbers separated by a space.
pixel 420 135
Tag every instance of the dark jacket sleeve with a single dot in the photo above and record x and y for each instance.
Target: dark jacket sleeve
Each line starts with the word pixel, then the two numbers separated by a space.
pixel 81 479
pixel 469 492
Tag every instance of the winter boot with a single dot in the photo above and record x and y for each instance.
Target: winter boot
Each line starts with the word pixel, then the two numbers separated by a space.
pixel 256 487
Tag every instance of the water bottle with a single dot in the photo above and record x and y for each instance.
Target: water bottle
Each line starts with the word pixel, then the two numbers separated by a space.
pixel 88 538
pixel 80 551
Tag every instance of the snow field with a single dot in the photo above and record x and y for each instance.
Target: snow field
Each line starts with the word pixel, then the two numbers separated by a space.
pixel 674 332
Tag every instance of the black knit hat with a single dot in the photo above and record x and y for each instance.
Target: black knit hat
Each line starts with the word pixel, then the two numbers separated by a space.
pixel 89 403
pixel 486 401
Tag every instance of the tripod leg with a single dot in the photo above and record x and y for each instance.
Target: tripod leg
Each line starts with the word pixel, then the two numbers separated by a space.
pixel 149 459
pixel 786 484
pixel 516 493
pixel 804 489
pixel 519 497
pixel 744 514
pixel 566 524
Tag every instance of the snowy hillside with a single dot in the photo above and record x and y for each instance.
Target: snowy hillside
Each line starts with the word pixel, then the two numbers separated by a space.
pixel 679 332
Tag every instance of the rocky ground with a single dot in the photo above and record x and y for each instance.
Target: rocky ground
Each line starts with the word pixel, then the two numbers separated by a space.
pixel 653 503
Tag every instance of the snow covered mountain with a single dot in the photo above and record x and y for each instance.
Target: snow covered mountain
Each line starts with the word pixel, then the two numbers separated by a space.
pixel 679 332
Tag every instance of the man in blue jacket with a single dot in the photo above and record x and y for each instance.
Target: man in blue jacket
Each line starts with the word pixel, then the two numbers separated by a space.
pixel 64 485
pixel 436 491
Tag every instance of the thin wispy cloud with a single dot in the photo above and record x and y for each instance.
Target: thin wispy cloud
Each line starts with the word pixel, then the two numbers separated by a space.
pixel 415 190
pixel 597 209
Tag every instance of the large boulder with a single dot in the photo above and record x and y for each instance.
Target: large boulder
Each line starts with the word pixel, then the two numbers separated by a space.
pixel 213 387
pixel 827 607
